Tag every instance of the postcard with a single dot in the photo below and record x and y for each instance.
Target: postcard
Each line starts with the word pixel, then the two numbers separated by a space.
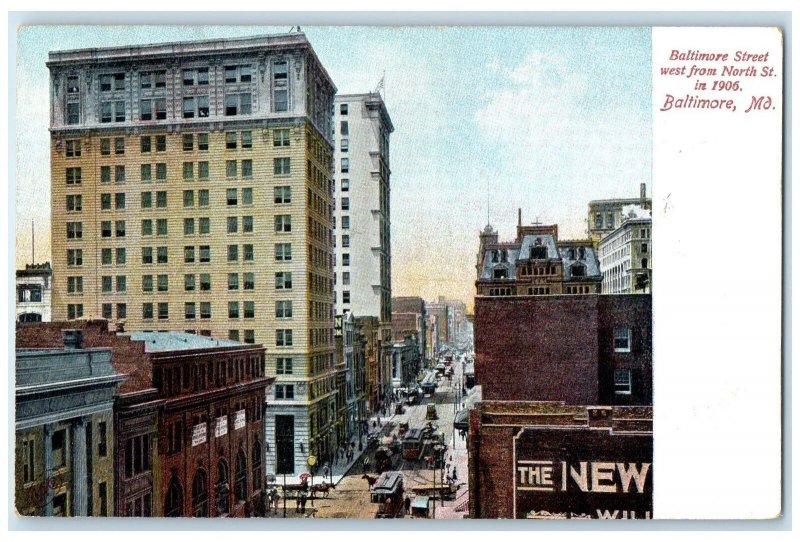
pixel 398 273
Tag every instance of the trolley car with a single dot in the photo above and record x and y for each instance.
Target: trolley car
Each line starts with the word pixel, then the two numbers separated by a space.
pixel 387 491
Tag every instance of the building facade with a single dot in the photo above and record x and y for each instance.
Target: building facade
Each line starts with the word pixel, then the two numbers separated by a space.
pixel 405 361
pixel 606 215
pixel 410 314
pixel 536 263
pixel 192 190
pixel 554 461
pixel 583 350
pixel 34 292
pixel 625 254
pixel 65 430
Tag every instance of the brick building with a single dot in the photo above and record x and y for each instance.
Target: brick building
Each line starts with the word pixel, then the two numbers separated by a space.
pixel 189 433
pixel 549 460
pixel 410 315
pixel 580 349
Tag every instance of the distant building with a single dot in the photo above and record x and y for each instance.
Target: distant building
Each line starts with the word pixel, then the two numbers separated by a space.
pixel 405 362
pixel 606 215
pixel 556 461
pixel 583 350
pixel 535 263
pixel 34 289
pixel 442 314
pixel 65 429
pixel 625 254
pixel 410 314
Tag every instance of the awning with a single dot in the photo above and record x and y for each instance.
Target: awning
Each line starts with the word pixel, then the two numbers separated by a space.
pixel 461 420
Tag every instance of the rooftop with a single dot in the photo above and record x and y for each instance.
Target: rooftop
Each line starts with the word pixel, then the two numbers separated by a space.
pixel 169 341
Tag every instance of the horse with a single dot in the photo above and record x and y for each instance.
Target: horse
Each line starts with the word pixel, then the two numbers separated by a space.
pixel 370 479
pixel 323 488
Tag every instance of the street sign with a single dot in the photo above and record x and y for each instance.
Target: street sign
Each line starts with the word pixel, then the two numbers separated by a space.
pixel 312 460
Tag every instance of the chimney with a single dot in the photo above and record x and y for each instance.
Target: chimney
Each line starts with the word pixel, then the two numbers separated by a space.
pixel 121 326
pixel 73 338
pixel 519 216
pixel 643 191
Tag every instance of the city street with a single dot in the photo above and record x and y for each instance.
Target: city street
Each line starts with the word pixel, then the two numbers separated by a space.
pixel 351 496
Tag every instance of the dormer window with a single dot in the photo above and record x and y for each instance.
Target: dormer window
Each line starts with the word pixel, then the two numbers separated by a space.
pixel 504 256
pixel 582 253
pixel 538 252
pixel 495 258
pixel 500 273
pixel 578 270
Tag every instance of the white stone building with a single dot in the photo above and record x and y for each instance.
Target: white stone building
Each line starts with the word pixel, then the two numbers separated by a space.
pixel 34 290
pixel 626 254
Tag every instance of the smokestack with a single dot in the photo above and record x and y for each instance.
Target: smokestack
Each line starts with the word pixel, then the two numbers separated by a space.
pixel 73 338
pixel 643 191
pixel 519 216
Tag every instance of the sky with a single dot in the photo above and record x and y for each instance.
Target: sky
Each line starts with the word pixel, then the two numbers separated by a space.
pixel 487 120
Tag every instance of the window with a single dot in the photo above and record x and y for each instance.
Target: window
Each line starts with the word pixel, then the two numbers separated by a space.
pixel 284 391
pixel 280 79
pixel 145 144
pixel 74 203
pixel 346 296
pixel 343 109
pixel 188 171
pixel 122 283
pixel 163 311
pixel 283 194
pixel 74 311
pixel 200 494
pixel 249 309
pixel 223 488
pixel 623 384
pixel 161 199
pixel 73 113
pixel 345 165
pixel 161 143
pixel 610 220
pixel 146 199
pixel 283 337
pixel 248 252
pixel 345 204
pixel 284 366
pixel 345 145
pixel 147 311
pixel 59 449
pixel 161 172
pixel 28 459
pixel 205 282
pixel 345 185
pixel 122 310
pixel 146 172
pixel 188 198
pixel 161 108
pixel 345 241
pixel 74 285
pixel 343 128
pixel 161 226
pixel 282 166
pixel 247 196
pixel 188 283
pixel 345 259
pixel 137 455
pixel 644 247
pixel 121 255
pixel 249 281
pixel 147 283
pixel 163 255
pixel 147 227
pixel 346 278
pixel 205 253
pixel 283 223
pixel 102 439
pixel 233 281
pixel 345 222
pixel 147 255
pixel 105 228
pixel 233 224
pixel 188 254
pixel 247 224
pixel 283 281
pixel 189 311
pixel 238 104
pixel 230 140
pixel 107 283
pixel 283 309
pixel 231 196
pixel 247 169
pixel 188 226
pixel 119 201
pixel 205 309
pixel 233 309
pixel 233 253
pixel 119 174
pixel 75 257
pixel 280 137
pixel 283 252
pixel 173 504
pixel 105 146
pixel 73 176
pixel 247 140
pixel 73 148
pixel 622 339
pixel 146 110
pixel 202 142
pixel 205 222
pixel 230 168
pixel 72 84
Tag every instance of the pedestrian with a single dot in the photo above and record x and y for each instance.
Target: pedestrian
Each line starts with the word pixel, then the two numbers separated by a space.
pixel 303 504
pixel 408 504
pixel 298 503
pixel 455 476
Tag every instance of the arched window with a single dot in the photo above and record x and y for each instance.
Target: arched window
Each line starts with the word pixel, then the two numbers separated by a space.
pixel 200 494
pixel 223 488
pixel 256 465
pixel 241 476
pixel 173 505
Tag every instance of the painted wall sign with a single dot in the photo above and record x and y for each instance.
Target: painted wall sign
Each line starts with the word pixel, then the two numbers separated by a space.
pixel 582 474
pixel 221 426
pixel 240 420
